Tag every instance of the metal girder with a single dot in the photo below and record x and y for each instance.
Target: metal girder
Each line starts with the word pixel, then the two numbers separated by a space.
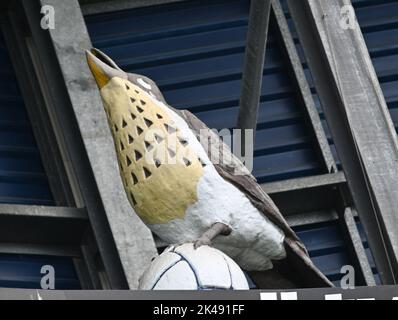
pixel 125 244
pixel 357 245
pixel 309 218
pixel 254 64
pixel 72 251
pixel 49 147
pixel 118 5
pixel 291 196
pixel 43 212
pixel 42 224
pixel 324 180
pixel 287 43
pixel 359 121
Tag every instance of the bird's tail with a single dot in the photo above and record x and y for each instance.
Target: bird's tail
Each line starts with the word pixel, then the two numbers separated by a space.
pixel 295 271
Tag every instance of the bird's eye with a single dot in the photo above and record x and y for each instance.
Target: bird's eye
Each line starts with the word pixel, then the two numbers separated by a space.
pixel 144 83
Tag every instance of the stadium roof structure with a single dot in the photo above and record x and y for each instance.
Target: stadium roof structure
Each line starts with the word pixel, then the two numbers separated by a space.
pixel 315 79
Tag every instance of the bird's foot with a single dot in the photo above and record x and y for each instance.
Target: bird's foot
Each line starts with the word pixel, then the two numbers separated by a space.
pixel 202 241
pixel 216 229
pixel 206 238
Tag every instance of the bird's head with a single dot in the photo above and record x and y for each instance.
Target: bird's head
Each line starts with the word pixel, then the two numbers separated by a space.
pixel 108 75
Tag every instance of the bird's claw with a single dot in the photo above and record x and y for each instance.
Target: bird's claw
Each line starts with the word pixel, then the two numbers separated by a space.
pixel 202 241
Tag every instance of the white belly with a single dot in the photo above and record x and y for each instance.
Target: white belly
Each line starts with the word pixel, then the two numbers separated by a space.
pixel 254 240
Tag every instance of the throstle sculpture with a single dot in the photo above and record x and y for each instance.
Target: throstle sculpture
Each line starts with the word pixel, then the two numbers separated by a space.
pixel 182 196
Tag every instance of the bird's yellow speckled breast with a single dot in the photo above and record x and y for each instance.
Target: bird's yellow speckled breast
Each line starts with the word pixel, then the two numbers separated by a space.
pixel 159 169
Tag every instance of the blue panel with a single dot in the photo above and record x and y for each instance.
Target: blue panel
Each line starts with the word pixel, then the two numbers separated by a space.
pixel 22 177
pixel 326 246
pixel 379 24
pixel 195 52
pixel 23 271
pixel 23 181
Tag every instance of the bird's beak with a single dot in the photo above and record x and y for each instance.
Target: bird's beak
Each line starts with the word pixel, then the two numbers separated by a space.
pixel 103 67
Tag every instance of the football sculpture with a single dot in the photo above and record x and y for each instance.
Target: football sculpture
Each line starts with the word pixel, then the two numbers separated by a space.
pixel 186 268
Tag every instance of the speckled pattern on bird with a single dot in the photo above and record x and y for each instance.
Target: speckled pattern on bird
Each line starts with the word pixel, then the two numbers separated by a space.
pixel 153 154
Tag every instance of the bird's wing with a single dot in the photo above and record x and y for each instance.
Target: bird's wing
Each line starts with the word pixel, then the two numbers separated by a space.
pixel 236 173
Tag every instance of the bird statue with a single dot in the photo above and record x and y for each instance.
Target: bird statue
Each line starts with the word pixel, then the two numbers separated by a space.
pixel 164 157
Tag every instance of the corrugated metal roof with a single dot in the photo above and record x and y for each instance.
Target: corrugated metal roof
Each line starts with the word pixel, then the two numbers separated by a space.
pixel 23 271
pixel 22 177
pixel 23 181
pixel 379 24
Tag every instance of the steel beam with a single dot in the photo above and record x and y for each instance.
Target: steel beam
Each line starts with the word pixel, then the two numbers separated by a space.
pixel 72 251
pixel 301 83
pixel 254 64
pixel 291 196
pixel 43 212
pixel 45 136
pixel 118 5
pixel 125 244
pixel 309 218
pixel 42 225
pixel 324 180
pixel 359 121
pixel 355 239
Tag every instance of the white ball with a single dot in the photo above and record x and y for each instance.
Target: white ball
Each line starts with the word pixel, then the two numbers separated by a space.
pixel 186 268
